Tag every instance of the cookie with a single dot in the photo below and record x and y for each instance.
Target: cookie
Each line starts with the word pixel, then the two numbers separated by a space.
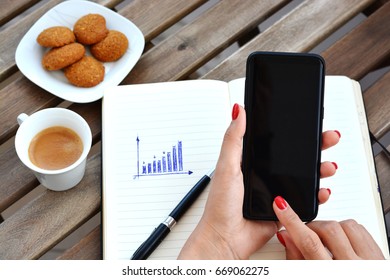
pixel 111 48
pixel 61 57
pixel 56 36
pixel 90 29
pixel 87 72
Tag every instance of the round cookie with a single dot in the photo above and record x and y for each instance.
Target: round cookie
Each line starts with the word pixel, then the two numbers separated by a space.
pixel 90 29
pixel 56 36
pixel 58 58
pixel 111 48
pixel 87 72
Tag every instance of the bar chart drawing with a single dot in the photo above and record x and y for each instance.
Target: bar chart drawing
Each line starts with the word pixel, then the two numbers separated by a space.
pixel 168 162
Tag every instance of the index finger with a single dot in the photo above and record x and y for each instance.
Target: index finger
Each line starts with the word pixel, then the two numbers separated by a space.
pixel 306 240
pixel 231 150
pixel 330 138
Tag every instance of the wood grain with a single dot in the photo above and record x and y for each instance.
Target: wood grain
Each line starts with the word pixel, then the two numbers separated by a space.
pixel 11 8
pixel 88 248
pixel 382 163
pixel 195 44
pixel 153 19
pixel 18 96
pixel 298 31
pixel 363 49
pixel 58 213
pixel 377 103
pixel 14 33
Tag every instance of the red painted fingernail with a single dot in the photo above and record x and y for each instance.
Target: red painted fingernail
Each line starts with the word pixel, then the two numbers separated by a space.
pixel 335 165
pixel 280 202
pixel 236 110
pixel 280 238
pixel 338 133
pixel 329 191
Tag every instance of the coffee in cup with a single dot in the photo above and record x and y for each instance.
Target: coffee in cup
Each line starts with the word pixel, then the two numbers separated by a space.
pixel 54 144
pixel 55 147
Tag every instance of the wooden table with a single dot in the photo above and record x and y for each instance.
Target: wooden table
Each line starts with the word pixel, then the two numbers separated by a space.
pixel 48 217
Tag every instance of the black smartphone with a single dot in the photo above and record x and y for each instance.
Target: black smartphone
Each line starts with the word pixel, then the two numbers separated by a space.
pixel 284 95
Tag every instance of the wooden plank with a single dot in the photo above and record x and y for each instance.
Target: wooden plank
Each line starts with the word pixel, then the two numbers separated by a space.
pixel 375 6
pixel 383 170
pixel 299 31
pixel 21 96
pixel 377 104
pixel 20 180
pixel 88 248
pixel 363 49
pixel 196 43
pixel 14 34
pixel 11 8
pixel 59 213
pixel 17 180
pixel 153 19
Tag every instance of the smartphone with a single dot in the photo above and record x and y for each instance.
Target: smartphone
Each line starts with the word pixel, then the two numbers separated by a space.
pixel 284 95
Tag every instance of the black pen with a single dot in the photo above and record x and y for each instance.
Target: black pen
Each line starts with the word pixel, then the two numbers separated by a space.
pixel 160 232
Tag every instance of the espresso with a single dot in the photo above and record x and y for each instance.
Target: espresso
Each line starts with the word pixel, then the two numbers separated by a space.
pixel 55 148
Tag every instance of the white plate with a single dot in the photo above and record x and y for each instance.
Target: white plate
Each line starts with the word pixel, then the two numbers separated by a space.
pixel 29 53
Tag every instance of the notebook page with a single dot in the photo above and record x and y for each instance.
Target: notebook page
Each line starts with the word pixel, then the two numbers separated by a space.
pixel 353 194
pixel 371 165
pixel 158 141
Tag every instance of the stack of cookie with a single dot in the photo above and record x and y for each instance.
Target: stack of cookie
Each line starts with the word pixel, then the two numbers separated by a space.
pixel 68 49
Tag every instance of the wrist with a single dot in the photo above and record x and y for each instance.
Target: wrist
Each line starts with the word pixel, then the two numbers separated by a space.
pixel 206 243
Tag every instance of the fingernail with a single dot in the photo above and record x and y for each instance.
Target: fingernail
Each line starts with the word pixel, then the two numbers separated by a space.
pixel 335 165
pixel 329 191
pixel 280 203
pixel 280 238
pixel 236 110
pixel 338 133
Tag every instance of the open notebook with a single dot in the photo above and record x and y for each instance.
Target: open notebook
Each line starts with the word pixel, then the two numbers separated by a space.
pixel 160 139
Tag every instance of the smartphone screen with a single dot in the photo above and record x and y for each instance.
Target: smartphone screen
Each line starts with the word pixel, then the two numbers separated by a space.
pixel 282 143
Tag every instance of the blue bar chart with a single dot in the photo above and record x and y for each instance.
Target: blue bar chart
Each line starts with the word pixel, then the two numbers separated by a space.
pixel 166 162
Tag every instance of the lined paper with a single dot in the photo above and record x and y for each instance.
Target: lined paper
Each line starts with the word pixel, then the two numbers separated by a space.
pixel 355 193
pixel 140 126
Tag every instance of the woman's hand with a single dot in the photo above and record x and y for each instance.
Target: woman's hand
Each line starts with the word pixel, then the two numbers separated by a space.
pixel 222 232
pixel 323 239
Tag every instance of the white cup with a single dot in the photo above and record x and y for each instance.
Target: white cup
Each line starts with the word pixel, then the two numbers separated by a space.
pixel 30 126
